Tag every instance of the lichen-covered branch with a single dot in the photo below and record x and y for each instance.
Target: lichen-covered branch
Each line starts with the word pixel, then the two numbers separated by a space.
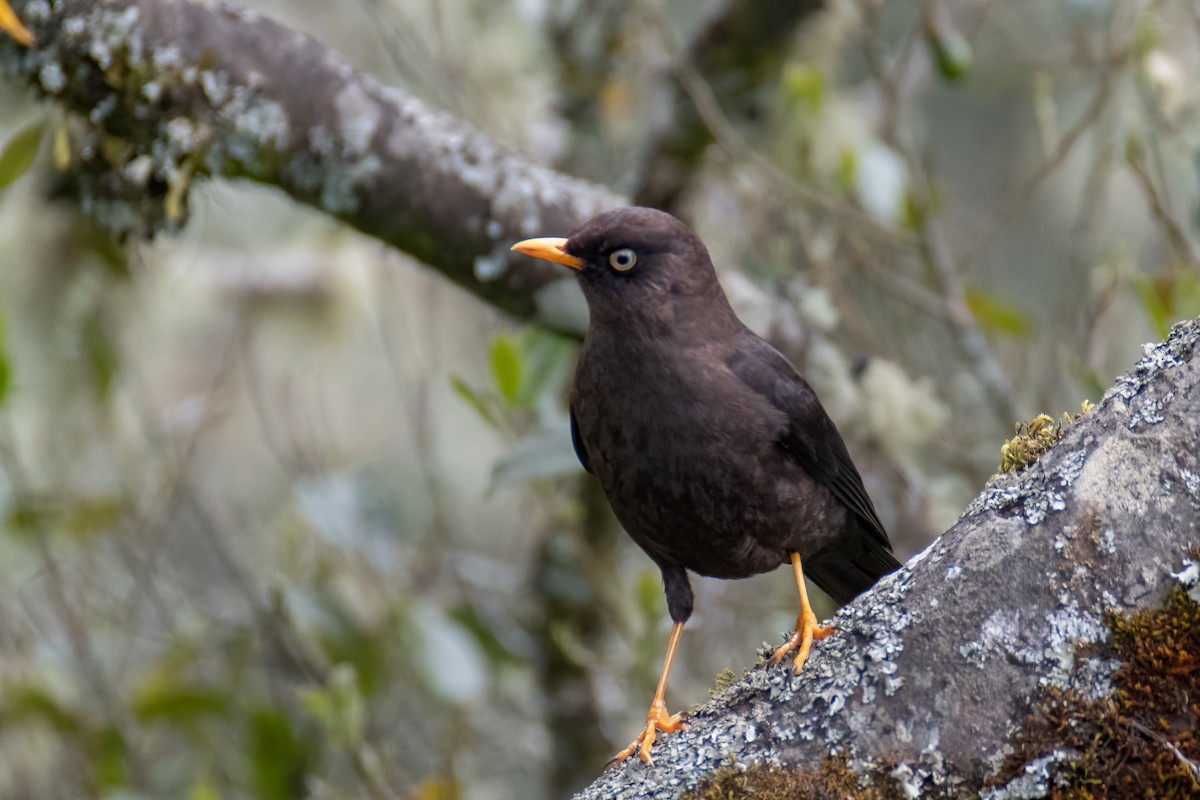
pixel 925 689
pixel 204 88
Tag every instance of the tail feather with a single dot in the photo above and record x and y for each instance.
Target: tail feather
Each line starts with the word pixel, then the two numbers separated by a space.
pixel 844 576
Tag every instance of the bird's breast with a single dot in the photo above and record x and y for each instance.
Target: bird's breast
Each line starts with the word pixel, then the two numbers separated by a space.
pixel 689 460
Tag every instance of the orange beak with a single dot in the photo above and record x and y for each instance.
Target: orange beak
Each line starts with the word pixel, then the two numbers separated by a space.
pixel 548 249
pixel 10 24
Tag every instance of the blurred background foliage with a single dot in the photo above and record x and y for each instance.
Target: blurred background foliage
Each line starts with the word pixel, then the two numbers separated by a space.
pixel 285 514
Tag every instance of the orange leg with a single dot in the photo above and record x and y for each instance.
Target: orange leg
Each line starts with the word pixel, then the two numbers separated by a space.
pixel 10 24
pixel 807 628
pixel 657 718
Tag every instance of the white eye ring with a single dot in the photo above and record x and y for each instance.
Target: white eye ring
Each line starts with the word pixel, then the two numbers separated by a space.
pixel 623 259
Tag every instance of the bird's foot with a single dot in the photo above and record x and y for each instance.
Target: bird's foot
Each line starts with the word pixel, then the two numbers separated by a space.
pixel 807 629
pixel 657 719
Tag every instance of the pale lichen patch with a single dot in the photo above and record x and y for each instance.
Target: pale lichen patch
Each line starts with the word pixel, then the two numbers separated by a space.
pixel 74 26
pixel 1034 782
pixel 358 119
pixel 215 85
pixel 832 697
pixel 997 636
pixel 1191 483
pixel 1069 628
pixel 51 77
pixel 929 773
pixel 1151 408
pixel 37 11
pixel 1189 578
pixel 1039 490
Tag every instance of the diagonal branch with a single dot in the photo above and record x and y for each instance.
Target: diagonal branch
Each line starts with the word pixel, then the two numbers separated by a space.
pixel 932 671
pixel 214 90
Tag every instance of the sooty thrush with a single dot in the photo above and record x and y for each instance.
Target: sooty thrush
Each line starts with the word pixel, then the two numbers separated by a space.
pixel 715 455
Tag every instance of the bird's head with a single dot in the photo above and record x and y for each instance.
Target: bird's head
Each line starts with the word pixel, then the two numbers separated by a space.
pixel 638 265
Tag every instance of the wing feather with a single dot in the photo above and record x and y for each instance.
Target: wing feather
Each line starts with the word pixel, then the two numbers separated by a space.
pixel 577 442
pixel 810 436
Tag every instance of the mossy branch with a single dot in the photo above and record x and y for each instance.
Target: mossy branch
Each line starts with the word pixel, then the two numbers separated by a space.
pixel 206 89
pixel 948 677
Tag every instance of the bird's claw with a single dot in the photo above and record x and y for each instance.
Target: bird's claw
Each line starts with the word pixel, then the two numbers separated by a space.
pixel 807 629
pixel 657 719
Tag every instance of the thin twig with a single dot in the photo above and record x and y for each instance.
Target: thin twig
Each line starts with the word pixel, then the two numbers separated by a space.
pixel 737 148
pixel 1191 766
pixel 932 243
pixel 1159 203
pixel 1019 199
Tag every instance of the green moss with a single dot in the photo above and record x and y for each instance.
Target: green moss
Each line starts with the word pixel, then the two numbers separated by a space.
pixel 725 678
pixel 1142 741
pixel 833 780
pixel 1034 437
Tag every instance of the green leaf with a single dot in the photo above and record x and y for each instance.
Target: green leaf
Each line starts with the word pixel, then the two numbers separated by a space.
pixel 1187 295
pixel 806 84
pixel 91 515
pixel 80 517
pixel 339 708
pixel 29 702
pixel 649 593
pixel 505 361
pixel 203 790
pixel 318 704
pixel 162 702
pixel 846 171
pixel 545 356
pixel 997 315
pixel 472 398
pixel 278 758
pixel 951 52
pixel 5 367
pixel 102 354
pixel 18 155
pixel 346 638
pixel 5 377
pixel 495 649
pixel 108 753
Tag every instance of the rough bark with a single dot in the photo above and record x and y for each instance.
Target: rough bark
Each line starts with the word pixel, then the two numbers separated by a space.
pixel 196 88
pixel 935 668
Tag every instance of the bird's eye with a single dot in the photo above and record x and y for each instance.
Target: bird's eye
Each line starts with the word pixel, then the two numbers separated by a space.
pixel 623 259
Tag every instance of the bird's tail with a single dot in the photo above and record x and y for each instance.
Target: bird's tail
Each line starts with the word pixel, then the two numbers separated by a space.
pixel 844 576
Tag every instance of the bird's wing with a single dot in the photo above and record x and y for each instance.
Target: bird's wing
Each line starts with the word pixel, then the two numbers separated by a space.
pixel 580 450
pixel 810 437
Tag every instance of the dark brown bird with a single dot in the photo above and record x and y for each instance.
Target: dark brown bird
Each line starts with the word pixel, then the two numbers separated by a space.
pixel 716 456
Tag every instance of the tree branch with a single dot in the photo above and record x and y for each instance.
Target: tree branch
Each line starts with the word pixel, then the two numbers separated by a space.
pixel 932 668
pixel 211 89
